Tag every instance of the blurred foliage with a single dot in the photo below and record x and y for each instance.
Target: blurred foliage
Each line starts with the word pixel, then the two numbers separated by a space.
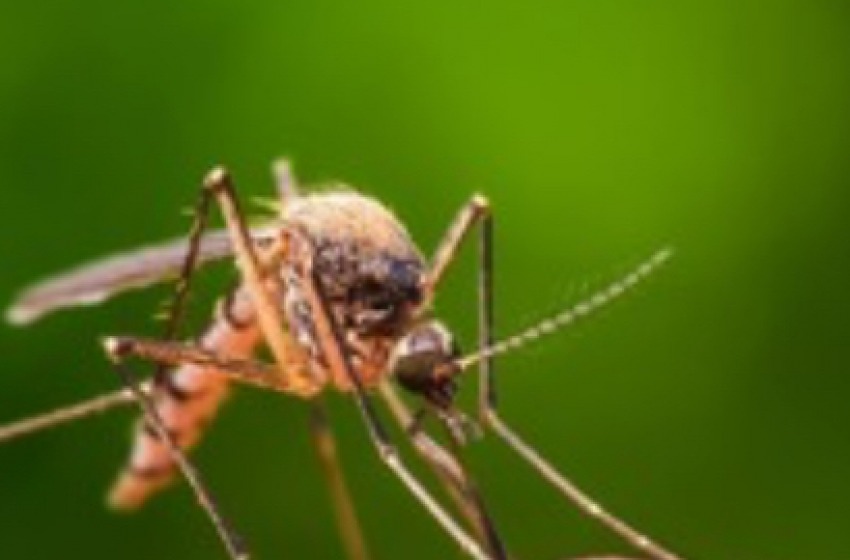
pixel 710 408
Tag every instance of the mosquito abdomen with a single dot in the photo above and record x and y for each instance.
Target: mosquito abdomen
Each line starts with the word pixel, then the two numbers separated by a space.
pixel 187 399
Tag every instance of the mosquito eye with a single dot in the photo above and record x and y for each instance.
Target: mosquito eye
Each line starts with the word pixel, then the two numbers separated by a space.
pixel 420 355
pixel 415 372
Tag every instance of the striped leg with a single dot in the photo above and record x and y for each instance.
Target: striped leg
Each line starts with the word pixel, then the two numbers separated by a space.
pixel 257 283
pixel 471 214
pixel 331 345
pixel 322 436
pixel 454 477
pixel 158 445
pixel 232 541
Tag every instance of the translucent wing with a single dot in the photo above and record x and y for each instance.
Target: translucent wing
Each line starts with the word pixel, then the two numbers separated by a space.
pixel 98 281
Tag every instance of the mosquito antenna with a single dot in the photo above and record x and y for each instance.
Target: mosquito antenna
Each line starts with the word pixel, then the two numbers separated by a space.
pixel 572 314
pixel 67 414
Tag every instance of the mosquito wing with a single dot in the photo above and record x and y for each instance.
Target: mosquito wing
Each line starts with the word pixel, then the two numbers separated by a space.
pixel 96 282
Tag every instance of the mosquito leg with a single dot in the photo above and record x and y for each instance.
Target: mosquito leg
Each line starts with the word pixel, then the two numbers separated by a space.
pixel 330 343
pixel 232 541
pixel 447 468
pixel 218 181
pixel 266 376
pixel 184 283
pixel 469 215
pixel 348 523
pixel 476 212
pixel 321 435
pixel 487 398
pixel 485 525
pixel 153 420
pixel 472 213
pixel 346 516
pixel 67 414
pixel 491 418
pixel 269 317
pixel 249 372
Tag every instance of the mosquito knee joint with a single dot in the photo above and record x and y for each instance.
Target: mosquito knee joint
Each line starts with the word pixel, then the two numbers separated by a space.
pixel 117 347
pixel 217 180
pixel 595 510
pixel 387 453
pixel 480 203
pixel 488 416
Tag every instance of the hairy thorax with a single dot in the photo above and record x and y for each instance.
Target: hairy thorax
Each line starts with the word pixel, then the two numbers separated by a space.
pixel 370 271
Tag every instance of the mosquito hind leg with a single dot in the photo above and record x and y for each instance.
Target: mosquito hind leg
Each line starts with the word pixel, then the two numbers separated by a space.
pixel 491 418
pixel 348 523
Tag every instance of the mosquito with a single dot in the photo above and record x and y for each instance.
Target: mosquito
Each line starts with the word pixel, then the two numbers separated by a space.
pixel 339 296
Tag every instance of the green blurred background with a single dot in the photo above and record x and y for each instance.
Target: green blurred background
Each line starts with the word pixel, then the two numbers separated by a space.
pixel 709 408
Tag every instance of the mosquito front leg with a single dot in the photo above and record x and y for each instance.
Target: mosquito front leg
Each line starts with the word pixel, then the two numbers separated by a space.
pixel 269 316
pixel 283 378
pixel 321 434
pixel 458 485
pixel 473 211
pixel 491 418
pixel 447 468
pixel 332 348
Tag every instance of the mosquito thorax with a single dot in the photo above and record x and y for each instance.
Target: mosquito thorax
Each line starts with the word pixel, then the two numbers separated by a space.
pixel 369 268
pixel 423 361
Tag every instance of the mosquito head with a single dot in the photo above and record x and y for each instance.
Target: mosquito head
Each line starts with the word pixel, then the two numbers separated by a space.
pixel 424 361
pixel 427 361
